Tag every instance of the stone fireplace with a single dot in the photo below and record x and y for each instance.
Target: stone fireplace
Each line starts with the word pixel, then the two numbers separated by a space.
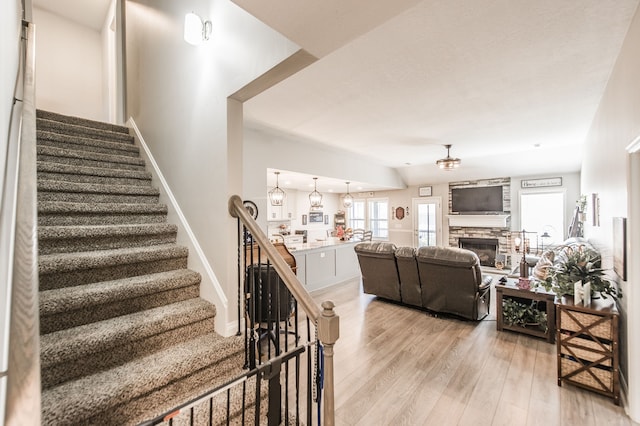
pixel 488 232
pixel 485 248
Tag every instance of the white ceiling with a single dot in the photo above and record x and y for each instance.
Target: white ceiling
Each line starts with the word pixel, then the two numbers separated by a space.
pixel 91 13
pixel 513 85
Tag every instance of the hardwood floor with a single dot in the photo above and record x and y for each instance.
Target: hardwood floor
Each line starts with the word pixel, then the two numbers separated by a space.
pixel 396 365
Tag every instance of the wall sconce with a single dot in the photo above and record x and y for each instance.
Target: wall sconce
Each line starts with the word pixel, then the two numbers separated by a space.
pixel 196 30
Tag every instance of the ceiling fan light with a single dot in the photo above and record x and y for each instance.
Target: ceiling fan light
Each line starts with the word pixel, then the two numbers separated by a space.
pixel 448 163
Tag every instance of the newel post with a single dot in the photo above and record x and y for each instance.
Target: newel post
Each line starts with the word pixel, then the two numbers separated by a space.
pixel 328 333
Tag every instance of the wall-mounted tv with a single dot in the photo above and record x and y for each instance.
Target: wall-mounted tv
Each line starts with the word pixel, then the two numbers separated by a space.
pixel 482 199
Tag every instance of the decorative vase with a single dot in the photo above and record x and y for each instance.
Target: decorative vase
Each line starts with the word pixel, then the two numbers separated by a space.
pixel 582 293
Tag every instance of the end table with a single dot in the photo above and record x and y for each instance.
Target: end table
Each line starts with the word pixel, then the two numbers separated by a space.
pixel 511 291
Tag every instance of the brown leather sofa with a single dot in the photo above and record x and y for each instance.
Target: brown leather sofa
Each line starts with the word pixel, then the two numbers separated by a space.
pixel 378 269
pixel 452 282
pixel 439 279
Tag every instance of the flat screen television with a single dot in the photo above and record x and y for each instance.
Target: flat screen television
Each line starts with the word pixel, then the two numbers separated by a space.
pixel 484 199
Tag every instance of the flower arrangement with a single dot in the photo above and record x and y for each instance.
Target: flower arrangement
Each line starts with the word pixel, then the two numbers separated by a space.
pixel 563 266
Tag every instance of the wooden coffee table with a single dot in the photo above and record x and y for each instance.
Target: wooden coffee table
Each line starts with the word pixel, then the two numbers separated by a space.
pixel 509 290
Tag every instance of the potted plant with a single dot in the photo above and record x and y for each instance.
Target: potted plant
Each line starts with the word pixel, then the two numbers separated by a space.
pixel 519 314
pixel 567 265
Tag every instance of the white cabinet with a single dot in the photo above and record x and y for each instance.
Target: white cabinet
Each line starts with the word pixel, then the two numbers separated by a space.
pixel 287 211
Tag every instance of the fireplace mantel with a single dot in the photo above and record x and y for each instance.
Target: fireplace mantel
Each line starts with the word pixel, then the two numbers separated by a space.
pixel 479 221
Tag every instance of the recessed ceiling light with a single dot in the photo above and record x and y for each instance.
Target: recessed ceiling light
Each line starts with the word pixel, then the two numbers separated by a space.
pixel 407 164
pixel 536 145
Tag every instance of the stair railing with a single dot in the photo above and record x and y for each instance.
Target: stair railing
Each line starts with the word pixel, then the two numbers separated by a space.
pixel 19 322
pixel 327 323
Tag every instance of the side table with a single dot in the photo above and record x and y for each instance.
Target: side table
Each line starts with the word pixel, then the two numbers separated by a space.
pixel 588 346
pixel 546 302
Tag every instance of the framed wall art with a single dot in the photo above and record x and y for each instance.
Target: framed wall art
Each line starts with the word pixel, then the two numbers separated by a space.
pixel 425 191
pixel 316 217
pixel 620 247
pixel 541 183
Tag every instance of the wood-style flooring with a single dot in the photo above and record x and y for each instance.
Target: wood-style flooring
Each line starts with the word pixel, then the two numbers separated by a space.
pixel 396 365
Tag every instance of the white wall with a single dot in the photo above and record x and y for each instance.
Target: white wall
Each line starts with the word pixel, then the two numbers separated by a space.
pixel 401 231
pixel 604 171
pixel 109 71
pixel 570 186
pixel 265 150
pixel 177 94
pixel 69 72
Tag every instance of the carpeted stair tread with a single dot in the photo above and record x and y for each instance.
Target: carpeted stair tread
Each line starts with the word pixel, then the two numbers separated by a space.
pixel 66 169
pixel 76 401
pixel 91 295
pixel 77 121
pixel 80 197
pixel 78 268
pixel 122 208
pixel 55 154
pixel 95 188
pixel 54 213
pixel 66 262
pixel 94 231
pixel 83 143
pixel 74 238
pixel 62 309
pixel 66 345
pixel 68 129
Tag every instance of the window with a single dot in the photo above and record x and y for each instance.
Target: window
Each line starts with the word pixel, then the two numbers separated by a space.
pixel 542 212
pixel 379 218
pixel 356 214
pixel 371 214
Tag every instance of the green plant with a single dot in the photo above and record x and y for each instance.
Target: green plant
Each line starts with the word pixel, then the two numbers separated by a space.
pixel 573 264
pixel 519 314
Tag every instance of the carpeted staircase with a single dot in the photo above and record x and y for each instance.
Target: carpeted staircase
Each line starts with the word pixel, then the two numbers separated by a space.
pixel 124 335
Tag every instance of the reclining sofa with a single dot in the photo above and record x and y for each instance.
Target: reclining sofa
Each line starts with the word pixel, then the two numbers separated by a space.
pixel 438 279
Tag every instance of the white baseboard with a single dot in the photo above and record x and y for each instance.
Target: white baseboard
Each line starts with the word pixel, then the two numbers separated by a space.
pixel 210 288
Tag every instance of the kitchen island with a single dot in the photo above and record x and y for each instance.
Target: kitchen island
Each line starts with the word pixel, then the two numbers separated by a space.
pixel 325 263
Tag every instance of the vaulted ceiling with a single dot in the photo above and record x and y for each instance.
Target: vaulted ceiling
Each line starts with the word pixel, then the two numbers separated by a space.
pixel 513 85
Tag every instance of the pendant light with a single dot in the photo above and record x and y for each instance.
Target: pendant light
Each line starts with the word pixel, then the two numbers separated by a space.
pixel 276 195
pixel 315 198
pixel 347 201
pixel 448 163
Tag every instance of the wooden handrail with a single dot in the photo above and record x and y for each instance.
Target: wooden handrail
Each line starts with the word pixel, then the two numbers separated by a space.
pixel 237 210
pixel 325 318
pixel 19 215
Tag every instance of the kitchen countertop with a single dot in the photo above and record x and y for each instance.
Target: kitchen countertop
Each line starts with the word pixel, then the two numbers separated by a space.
pixel 318 245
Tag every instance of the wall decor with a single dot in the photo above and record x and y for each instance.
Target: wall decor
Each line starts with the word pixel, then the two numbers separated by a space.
pixel 399 213
pixel 541 183
pixel 425 191
pixel 595 209
pixel 316 217
pixel 304 219
pixel 620 247
pixel 251 207
pixel 326 219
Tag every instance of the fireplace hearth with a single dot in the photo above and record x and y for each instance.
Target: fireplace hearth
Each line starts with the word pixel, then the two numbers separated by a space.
pixel 485 248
